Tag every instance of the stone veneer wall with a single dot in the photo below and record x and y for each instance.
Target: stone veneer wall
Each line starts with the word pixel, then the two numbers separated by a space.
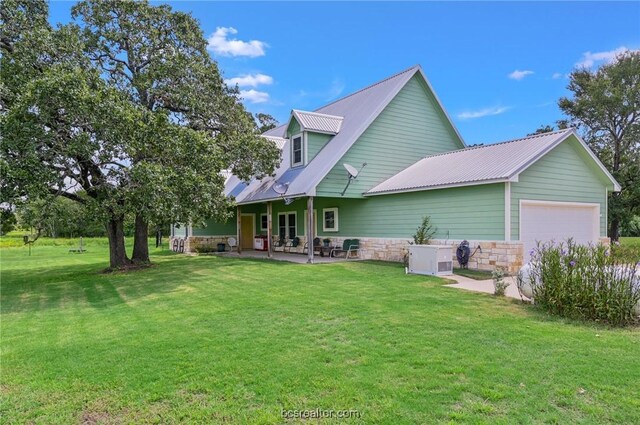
pixel 492 254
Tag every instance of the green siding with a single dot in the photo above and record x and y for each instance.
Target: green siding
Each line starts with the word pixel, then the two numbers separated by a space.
pixel 411 127
pixel 315 142
pixel 294 127
pixel 213 228
pixel 566 174
pixel 473 212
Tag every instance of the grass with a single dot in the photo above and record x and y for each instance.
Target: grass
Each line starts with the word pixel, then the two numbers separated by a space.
pixel 630 241
pixel 473 273
pixel 220 340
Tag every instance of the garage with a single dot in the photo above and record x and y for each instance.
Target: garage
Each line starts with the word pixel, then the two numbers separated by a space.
pixel 544 221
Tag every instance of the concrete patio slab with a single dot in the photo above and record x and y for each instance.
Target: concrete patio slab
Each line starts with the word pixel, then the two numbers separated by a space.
pixel 485 286
pixel 285 256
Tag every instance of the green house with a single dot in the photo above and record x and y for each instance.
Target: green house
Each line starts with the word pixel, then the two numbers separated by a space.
pixel 410 161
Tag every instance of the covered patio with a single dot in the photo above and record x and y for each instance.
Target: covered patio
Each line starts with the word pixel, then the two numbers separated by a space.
pixel 285 256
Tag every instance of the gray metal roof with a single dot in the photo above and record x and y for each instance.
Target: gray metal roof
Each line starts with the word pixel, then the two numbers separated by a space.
pixel 499 162
pixel 322 123
pixel 358 110
pixel 278 141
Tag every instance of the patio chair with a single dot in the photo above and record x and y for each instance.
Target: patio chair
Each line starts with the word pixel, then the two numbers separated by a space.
pixel 232 243
pixel 349 247
pixel 317 246
pixel 291 243
pixel 279 242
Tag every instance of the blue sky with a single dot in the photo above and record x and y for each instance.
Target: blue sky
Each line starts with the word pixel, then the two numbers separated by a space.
pixel 498 68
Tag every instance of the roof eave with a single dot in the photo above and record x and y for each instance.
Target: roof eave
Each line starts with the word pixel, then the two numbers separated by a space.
pixel 443 186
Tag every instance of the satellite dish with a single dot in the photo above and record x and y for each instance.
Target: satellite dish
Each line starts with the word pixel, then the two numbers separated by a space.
pixel 280 188
pixel 353 173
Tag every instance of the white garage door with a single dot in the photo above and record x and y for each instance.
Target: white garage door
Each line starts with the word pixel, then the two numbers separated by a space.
pixel 558 221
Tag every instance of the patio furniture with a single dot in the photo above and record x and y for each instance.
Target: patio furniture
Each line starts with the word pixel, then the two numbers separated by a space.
pixel 317 246
pixel 291 243
pixel 232 243
pixel 279 242
pixel 349 247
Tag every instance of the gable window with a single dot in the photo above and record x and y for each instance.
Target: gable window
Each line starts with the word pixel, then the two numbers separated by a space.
pixel 264 223
pixel 287 226
pixel 297 150
pixel 330 220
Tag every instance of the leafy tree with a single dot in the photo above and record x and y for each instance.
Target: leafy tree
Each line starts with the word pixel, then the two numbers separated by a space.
pixel 606 107
pixel 560 125
pixel 7 221
pixel 158 58
pixel 59 217
pixel 265 122
pixel 127 115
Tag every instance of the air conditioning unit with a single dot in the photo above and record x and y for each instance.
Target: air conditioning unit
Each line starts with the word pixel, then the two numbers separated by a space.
pixel 431 259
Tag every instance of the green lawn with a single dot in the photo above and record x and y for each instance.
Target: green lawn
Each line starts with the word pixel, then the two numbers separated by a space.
pixel 214 340
pixel 630 241
pixel 473 273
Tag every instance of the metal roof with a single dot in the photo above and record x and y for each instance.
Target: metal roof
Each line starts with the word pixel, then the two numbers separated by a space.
pixel 322 123
pixel 278 141
pixel 358 111
pixel 499 162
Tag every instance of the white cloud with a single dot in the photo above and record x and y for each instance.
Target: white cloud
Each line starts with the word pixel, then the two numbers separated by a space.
pixel 495 110
pixel 221 45
pixel 248 80
pixel 254 96
pixel 589 59
pixel 556 75
pixel 519 75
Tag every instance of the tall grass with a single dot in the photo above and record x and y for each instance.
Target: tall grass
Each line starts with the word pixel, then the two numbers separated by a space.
pixel 585 282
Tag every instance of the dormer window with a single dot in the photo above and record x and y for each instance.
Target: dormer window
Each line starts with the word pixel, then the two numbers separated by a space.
pixel 297 150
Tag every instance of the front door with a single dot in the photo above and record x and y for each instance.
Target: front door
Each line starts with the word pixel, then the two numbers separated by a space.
pixel 247 223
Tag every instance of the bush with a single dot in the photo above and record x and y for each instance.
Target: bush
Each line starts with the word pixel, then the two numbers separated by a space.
pixel 585 282
pixel 625 253
pixel 424 232
pixel 499 283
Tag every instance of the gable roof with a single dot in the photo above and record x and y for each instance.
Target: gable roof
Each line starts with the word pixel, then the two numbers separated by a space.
pixel 316 122
pixel 500 162
pixel 357 110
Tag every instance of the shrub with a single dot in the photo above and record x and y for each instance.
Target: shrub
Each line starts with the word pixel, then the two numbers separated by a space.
pixel 585 282
pixel 625 253
pixel 499 283
pixel 424 232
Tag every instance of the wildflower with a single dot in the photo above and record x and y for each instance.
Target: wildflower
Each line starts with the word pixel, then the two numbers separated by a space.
pixel 563 252
pixel 533 251
pixel 607 253
pixel 572 263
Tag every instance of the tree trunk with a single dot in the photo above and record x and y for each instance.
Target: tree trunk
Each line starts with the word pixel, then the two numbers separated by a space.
pixel 614 229
pixel 117 253
pixel 141 241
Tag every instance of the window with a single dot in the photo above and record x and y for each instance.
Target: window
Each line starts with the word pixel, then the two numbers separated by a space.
pixel 287 226
pixel 330 220
pixel 297 147
pixel 264 223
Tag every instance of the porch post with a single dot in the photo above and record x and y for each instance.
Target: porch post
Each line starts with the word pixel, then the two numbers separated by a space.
pixel 310 229
pixel 239 229
pixel 269 231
